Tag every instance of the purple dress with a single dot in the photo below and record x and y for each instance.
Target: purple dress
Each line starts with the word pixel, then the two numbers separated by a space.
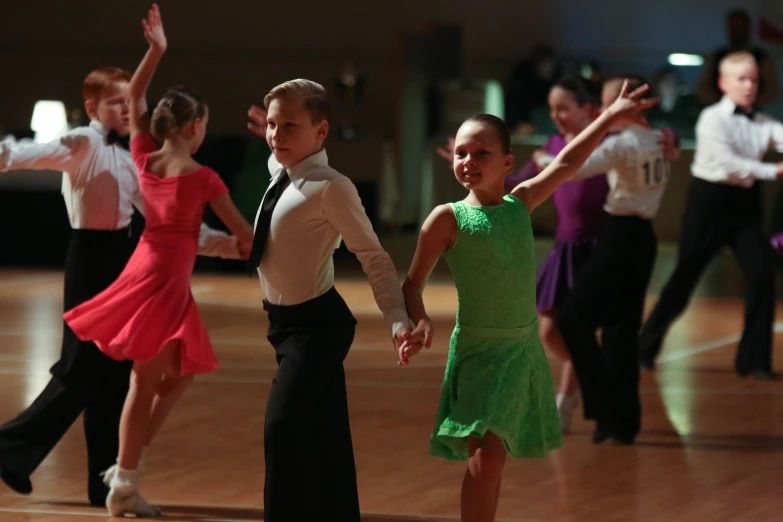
pixel 777 242
pixel 580 219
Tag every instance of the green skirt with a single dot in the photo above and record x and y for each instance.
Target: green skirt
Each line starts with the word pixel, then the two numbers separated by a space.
pixel 499 381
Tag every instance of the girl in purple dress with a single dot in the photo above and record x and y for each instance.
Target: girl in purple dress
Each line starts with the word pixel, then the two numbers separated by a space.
pixel 573 102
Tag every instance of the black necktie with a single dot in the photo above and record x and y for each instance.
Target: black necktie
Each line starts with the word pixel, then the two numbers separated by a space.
pixel 265 218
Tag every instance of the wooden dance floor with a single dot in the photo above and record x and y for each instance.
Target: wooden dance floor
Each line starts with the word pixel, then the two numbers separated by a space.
pixel 711 447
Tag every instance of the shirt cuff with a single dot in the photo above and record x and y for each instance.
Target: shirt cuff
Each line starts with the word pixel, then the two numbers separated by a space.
pixel 399 321
pixel 769 171
pixel 5 152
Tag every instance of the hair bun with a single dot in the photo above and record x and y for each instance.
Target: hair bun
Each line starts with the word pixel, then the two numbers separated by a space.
pixel 163 123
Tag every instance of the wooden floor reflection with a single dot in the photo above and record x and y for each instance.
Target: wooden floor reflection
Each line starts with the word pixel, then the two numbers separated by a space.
pixel 711 447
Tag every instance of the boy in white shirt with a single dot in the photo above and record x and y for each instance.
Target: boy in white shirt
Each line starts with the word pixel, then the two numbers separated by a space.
pixel 724 208
pixel 307 210
pixel 100 189
pixel 610 288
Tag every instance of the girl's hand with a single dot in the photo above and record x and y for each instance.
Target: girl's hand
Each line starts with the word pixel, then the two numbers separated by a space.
pixel 153 29
pixel 447 152
pixel 420 337
pixel 244 248
pixel 257 123
pixel 627 107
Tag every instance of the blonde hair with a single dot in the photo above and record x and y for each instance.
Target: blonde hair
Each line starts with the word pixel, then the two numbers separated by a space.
pixel 315 99
pixel 732 60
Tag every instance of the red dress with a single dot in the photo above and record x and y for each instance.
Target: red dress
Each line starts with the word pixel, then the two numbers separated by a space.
pixel 151 303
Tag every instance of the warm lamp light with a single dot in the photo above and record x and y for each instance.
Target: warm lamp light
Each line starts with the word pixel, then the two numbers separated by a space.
pixel 49 120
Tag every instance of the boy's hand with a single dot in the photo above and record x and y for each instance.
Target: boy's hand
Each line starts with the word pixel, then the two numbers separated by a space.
pixel 413 342
pixel 153 29
pixel 407 350
pixel 780 170
pixel 257 123
pixel 627 107
pixel 244 249
pixel 401 338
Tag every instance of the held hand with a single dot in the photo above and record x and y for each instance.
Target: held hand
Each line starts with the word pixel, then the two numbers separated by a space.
pixel 153 29
pixel 780 170
pixel 671 150
pixel 627 107
pixel 420 337
pixel 447 152
pixel 424 332
pixel 244 249
pixel 257 123
pixel 401 338
pixel 407 350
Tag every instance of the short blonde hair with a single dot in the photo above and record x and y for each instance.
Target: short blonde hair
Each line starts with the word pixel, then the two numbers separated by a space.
pixel 732 60
pixel 314 96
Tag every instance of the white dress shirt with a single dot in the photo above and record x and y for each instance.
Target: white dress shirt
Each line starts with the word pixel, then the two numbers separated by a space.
pixel 729 146
pixel 319 208
pixel 636 171
pixel 100 183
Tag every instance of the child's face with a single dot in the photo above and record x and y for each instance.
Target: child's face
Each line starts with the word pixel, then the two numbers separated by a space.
pixel 111 108
pixel 290 132
pixel 479 161
pixel 566 114
pixel 741 84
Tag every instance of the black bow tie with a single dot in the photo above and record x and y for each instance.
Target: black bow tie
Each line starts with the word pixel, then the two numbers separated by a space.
pixel 112 138
pixel 750 115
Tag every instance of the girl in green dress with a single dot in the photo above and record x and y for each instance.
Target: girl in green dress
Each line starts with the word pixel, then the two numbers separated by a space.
pixel 497 396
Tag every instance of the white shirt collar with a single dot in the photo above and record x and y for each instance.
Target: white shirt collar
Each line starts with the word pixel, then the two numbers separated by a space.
pixel 99 128
pixel 305 167
pixel 727 106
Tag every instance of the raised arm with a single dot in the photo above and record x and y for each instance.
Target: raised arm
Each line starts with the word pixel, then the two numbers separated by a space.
pixel 626 109
pixel 156 37
pixel 605 157
pixel 65 154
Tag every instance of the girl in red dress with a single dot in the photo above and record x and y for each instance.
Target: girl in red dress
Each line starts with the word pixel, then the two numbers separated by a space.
pixel 148 315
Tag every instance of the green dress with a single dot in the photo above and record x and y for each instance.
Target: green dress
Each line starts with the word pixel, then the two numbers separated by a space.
pixel 497 375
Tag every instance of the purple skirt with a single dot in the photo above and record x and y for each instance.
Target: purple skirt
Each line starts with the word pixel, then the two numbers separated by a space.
pixel 556 276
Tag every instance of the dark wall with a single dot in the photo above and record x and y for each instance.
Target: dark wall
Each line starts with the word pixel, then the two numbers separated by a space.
pixel 233 51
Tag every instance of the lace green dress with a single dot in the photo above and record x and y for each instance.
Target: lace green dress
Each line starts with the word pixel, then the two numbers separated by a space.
pixel 497 375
